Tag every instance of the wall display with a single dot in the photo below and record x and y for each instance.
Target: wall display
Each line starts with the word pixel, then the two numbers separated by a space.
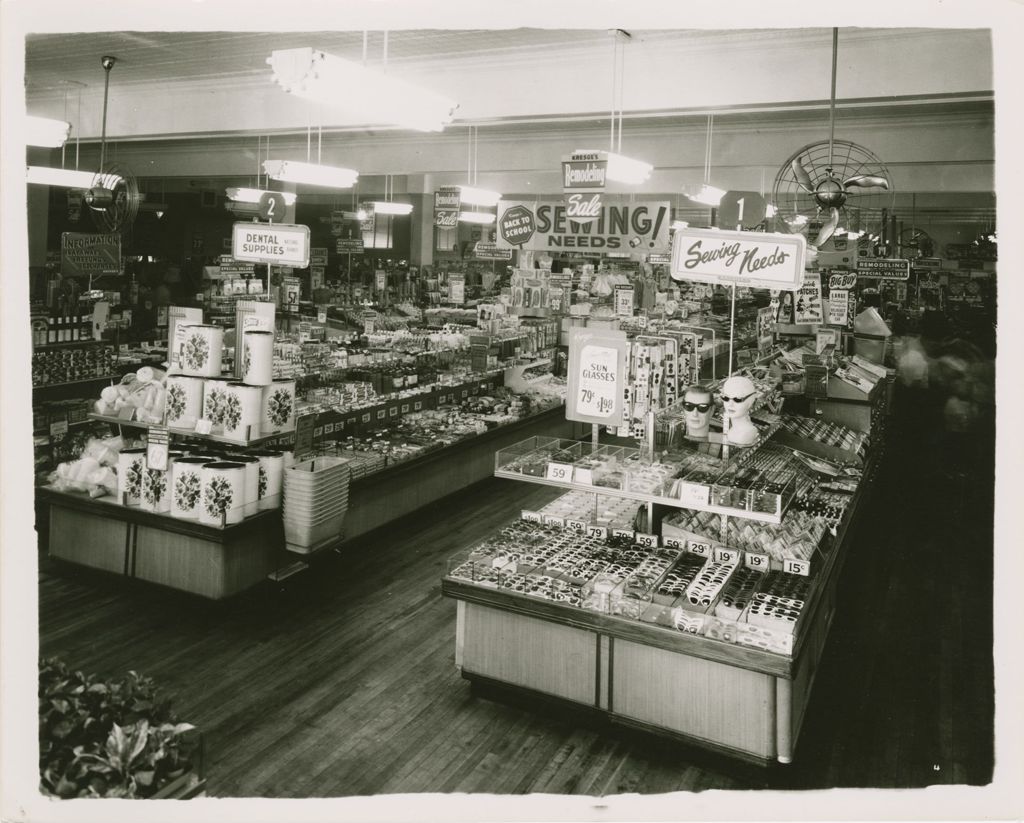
pixel 808 308
pixel 279 245
pixel 752 259
pixel 620 226
pixel 597 374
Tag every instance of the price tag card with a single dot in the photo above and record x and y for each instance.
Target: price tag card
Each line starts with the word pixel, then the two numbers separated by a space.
pixel 723 555
pixel 698 547
pixel 366 417
pixel 321 316
pixel 328 428
pixel 597 532
pixel 802 567
pixel 673 542
pixel 584 476
pixel 156 448
pixel 204 426
pixel 648 541
pixel 318 431
pixel 555 522
pixel 531 517
pixel 59 427
pixel 405 408
pixel 465 393
pixel 576 526
pixel 381 414
pixel 629 534
pixel 559 472
pixel 304 436
pixel 694 494
pixel 757 561
pixel 417 406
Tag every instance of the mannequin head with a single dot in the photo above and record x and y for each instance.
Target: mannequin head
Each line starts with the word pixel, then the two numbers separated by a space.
pixel 738 397
pixel 697 404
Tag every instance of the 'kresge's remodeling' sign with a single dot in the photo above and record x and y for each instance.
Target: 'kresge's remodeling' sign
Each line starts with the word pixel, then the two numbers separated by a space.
pixel 747 258
pixel 277 245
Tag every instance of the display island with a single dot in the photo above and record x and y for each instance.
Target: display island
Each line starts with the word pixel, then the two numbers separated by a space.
pixel 682 594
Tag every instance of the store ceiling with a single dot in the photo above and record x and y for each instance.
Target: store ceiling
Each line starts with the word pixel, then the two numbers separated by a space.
pixel 57 61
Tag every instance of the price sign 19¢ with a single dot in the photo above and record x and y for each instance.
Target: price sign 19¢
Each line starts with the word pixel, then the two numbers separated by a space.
pixel 757 561
pixel 724 555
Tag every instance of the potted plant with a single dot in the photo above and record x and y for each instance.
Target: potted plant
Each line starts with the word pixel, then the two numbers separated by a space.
pixel 112 738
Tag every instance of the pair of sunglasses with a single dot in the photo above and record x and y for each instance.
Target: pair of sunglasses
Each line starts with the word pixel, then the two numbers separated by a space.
pixel 701 407
pixel 726 399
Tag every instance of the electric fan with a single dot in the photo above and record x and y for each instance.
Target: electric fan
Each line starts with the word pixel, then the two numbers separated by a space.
pixel 839 182
pixel 916 243
pixel 114 196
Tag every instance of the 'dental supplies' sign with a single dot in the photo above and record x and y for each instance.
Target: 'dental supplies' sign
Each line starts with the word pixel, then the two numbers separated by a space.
pixel 756 259
pixel 280 245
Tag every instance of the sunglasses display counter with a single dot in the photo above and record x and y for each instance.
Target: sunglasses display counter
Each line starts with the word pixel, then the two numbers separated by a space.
pixel 708 630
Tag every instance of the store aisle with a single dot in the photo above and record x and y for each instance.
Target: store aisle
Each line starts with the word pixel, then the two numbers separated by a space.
pixel 342 682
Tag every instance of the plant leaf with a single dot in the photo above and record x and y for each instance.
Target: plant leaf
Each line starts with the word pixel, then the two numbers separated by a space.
pixel 145 778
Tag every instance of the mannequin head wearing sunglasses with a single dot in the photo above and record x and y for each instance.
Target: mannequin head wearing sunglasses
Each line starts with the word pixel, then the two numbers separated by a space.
pixel 698 404
pixel 738 396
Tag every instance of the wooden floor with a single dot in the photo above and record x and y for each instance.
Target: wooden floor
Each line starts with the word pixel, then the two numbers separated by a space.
pixel 342 681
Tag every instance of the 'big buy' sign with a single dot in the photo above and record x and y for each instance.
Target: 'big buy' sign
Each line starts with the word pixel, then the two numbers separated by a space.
pixel 616 226
pixel 747 258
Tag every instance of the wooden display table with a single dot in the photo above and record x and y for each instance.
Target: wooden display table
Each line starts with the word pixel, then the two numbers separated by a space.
pixel 207 560
pixel 734 699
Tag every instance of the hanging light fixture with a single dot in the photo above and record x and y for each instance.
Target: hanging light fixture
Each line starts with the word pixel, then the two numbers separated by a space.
pixel 471 194
pixel 46 132
pixel 311 174
pixel 483 218
pixel 70 178
pixel 247 195
pixel 373 95
pixel 620 168
pixel 387 205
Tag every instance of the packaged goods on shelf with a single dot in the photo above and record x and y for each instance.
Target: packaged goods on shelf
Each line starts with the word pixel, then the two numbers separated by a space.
pixel 68 365
pixel 611 512
pixel 826 432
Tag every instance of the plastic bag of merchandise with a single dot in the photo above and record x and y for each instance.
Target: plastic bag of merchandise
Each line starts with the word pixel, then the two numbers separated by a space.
pixel 73 476
pixel 102 481
pixel 104 450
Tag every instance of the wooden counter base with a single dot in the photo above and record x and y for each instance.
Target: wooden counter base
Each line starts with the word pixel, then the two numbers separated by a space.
pixel 205 560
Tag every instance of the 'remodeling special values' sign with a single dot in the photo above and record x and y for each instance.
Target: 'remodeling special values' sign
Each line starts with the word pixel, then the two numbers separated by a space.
pixel 746 258
pixel 586 223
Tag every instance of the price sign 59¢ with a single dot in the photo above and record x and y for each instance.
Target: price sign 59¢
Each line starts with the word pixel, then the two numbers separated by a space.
pixel 559 472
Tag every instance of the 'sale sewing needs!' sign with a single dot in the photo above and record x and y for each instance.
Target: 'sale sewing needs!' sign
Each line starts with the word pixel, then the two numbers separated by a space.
pixel 597 375
pixel 754 259
pixel 583 224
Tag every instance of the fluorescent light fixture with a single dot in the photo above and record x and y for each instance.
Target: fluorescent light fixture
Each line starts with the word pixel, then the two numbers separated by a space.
pixel 43 131
pixel 484 218
pixel 627 170
pixel 69 178
pixel 478 197
pixel 243 195
pixel 709 195
pixel 373 96
pixel 311 174
pixel 850 235
pixel 621 168
pixel 390 207
pixel 679 224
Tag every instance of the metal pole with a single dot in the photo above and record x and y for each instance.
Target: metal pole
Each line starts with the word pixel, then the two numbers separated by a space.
pixel 732 328
pixel 108 64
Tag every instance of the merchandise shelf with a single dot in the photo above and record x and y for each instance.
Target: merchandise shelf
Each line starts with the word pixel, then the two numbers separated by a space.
pixel 175 432
pixel 574 466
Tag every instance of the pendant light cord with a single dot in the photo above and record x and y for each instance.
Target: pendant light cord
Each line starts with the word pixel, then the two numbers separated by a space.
pixel 832 100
